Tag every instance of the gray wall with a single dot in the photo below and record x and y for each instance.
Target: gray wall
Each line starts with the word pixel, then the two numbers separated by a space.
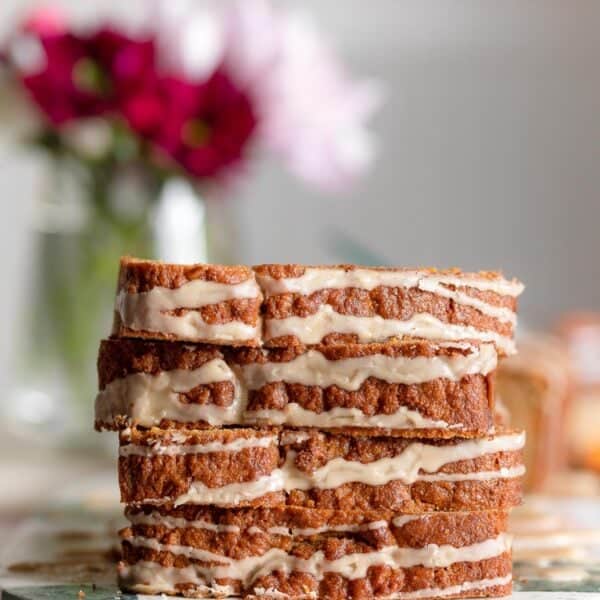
pixel 490 152
pixel 489 158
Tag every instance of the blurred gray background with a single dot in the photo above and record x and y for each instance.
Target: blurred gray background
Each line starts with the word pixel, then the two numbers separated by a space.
pixel 489 152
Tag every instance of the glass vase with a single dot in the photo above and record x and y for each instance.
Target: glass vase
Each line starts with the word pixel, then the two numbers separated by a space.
pixel 90 218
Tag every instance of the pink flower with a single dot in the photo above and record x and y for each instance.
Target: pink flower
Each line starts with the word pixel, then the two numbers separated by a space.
pixel 53 82
pixel 315 114
pixel 46 20
pixel 310 111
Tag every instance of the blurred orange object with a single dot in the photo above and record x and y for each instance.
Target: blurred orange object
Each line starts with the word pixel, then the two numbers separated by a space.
pixel 581 335
pixel 592 459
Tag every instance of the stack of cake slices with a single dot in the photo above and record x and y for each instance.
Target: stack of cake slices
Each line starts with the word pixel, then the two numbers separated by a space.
pixel 311 432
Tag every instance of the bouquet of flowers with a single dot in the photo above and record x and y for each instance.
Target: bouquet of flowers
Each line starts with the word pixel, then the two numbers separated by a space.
pixel 198 94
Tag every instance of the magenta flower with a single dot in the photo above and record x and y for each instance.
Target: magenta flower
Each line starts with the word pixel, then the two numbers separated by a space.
pixel 209 82
pixel 128 64
pixel 57 86
pixel 205 127
pixel 71 76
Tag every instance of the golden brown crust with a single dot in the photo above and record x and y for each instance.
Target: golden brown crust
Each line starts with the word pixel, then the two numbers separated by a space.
pixel 136 275
pixel 419 497
pixel 121 422
pixel 416 498
pixel 284 271
pixel 279 272
pixel 163 477
pixel 155 436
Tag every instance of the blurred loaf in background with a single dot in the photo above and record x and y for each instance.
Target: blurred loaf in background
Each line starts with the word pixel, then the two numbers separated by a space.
pixel 551 388
pixel 534 388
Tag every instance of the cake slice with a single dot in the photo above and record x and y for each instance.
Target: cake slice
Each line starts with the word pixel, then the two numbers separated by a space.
pixel 253 467
pixel 312 305
pixel 410 388
pixel 200 303
pixel 324 304
pixel 299 553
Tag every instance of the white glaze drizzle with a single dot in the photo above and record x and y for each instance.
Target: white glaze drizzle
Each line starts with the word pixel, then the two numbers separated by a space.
pixel 178 449
pixel 230 494
pixel 310 531
pixel 297 416
pixel 152 578
pixel 502 473
pixel 279 530
pixel 406 466
pixel 192 294
pixel 312 368
pixel 147 311
pixel 191 327
pixel 402 520
pixel 289 436
pixel 271 593
pixel 156 519
pixel 350 566
pixel 502 313
pixel 170 522
pixel 314 279
pixel 147 399
pixel 313 328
